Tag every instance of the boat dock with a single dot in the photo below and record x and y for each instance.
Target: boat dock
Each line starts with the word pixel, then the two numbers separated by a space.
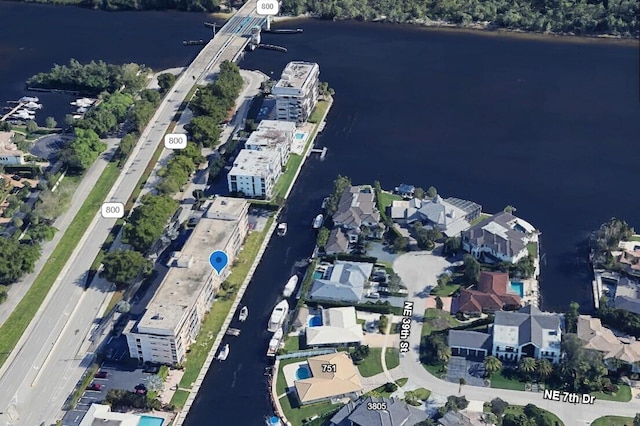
pixel 322 125
pixel 321 151
pixel 272 47
pixel 13 111
pixel 233 332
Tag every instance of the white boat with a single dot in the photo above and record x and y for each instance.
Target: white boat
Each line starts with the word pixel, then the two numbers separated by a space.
pixel 81 110
pixel 29 99
pixel 317 222
pixel 324 203
pixel 21 115
pixel 275 343
pixel 282 229
pixel 224 353
pixel 290 286
pixel 33 105
pixel 83 102
pixel 244 313
pixel 278 316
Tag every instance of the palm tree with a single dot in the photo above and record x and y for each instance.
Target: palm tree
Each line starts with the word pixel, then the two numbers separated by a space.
pixel 444 354
pixel 462 382
pixel 492 365
pixel 527 365
pixel 544 369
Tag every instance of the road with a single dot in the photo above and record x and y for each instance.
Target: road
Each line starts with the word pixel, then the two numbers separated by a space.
pixel 416 272
pixel 49 360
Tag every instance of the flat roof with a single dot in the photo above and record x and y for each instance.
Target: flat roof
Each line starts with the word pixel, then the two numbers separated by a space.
pixel 271 135
pixel 181 286
pixel 7 147
pixel 277 125
pixel 255 163
pixel 296 74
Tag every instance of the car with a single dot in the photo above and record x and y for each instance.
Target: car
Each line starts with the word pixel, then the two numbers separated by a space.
pixel 152 369
pixel 141 389
pixel 101 375
pixel 95 387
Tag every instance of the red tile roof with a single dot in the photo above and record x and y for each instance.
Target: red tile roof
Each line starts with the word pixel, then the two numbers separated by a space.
pixel 491 294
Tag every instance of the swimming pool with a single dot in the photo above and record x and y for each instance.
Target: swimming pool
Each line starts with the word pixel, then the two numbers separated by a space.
pixel 150 421
pixel 317 275
pixel 303 372
pixel 300 136
pixel 517 287
pixel 315 321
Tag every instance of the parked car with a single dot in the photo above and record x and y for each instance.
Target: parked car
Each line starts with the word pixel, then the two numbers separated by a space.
pixel 141 389
pixel 101 375
pixel 94 387
pixel 152 369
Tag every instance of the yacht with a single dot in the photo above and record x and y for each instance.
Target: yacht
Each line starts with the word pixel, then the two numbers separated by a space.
pixel 275 343
pixel 33 105
pixel 83 102
pixel 317 222
pixel 282 229
pixel 224 353
pixel 29 99
pixel 290 286
pixel 244 313
pixel 325 200
pixel 278 316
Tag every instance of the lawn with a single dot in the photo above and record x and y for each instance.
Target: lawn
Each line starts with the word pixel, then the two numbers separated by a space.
pixel 436 370
pixel 180 398
pixel 436 320
pixel 480 218
pixel 420 394
pixel 381 391
pixel 532 248
pixel 318 112
pixel 386 198
pixel 392 358
pixel 623 394
pixel 12 329
pixel 635 238
pixel 500 382
pixel 292 343
pixel 281 383
pixel 446 290
pixel 285 180
pixel 613 421
pixel 372 364
pixel 402 382
pixel 519 409
pixel 296 415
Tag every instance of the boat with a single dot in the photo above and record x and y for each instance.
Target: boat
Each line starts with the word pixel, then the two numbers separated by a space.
pixel 278 316
pixel 290 286
pixel 244 313
pixel 33 105
pixel 232 332
pixel 282 229
pixel 317 222
pixel 82 110
pixel 29 99
pixel 325 200
pixel 224 353
pixel 275 343
pixel 83 102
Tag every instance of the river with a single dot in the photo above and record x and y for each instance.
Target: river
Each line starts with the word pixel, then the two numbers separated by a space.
pixel 549 126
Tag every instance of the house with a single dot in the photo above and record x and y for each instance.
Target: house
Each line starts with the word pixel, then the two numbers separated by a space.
pixel 340 380
pixel 397 413
pixel 469 343
pixel 337 242
pixel 492 294
pixel 357 210
pixel 436 213
pixel 631 261
pixel 339 328
pixel 99 414
pixel 346 282
pixel 405 191
pixel 627 295
pixel 499 238
pixel 601 339
pixel 454 418
pixel 528 332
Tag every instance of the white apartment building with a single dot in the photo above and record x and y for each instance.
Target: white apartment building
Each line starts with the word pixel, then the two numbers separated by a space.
pixel 9 152
pixel 255 173
pixel 275 135
pixel 173 317
pixel 296 92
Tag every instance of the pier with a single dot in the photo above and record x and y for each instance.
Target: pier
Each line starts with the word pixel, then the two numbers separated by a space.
pixel 194 42
pixel 13 111
pixel 273 47
pixel 321 151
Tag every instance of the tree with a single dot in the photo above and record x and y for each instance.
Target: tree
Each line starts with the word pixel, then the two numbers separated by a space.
pixel 32 126
pixel 147 221
pixel 400 244
pixel 492 365
pixel 527 365
pixel 443 280
pixel 360 353
pixel 636 420
pixel 83 151
pixel 121 267
pixel 471 270
pixel 452 246
pixel 204 131
pixel 544 368
pixel 16 259
pixel 17 222
pixel 383 323
pixel 498 406
pixel 166 81
pixel 461 382
pixel 340 185
pixel 50 122
pixel 439 304
pixel 509 209
pixel 5 126
pixel 3 295
pixel 432 192
pixel 323 237
pixel 418 193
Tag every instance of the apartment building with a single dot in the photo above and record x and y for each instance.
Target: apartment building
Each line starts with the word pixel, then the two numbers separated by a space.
pixel 255 173
pixel 296 92
pixel 273 135
pixel 173 317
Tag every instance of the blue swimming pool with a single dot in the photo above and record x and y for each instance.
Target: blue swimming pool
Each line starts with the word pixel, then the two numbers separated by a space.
pixel 303 372
pixel 315 321
pixel 517 287
pixel 299 136
pixel 317 275
pixel 150 421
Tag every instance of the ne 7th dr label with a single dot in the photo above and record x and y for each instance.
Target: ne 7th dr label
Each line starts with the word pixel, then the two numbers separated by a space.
pixel 570 397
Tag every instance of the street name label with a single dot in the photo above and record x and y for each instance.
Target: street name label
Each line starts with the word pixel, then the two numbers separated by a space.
pixel 175 141
pixel 570 397
pixel 405 326
pixel 112 210
pixel 267 7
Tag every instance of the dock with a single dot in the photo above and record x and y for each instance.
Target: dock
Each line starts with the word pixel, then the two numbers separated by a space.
pixel 272 47
pixel 13 111
pixel 233 332
pixel 322 125
pixel 321 151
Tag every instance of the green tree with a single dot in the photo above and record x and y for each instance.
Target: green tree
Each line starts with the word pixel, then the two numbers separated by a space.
pixel 636 420
pixel 400 244
pixel 340 185
pixel 527 365
pixel 323 237
pixel 571 317
pixel 432 192
pixel 16 259
pixel 3 295
pixel 471 270
pixel 84 150
pixel 461 383
pixel 127 143
pixel 509 209
pixel 544 368
pixel 41 232
pixel 148 221
pixel 50 122
pixel 205 131
pixel 419 193
pixel 439 303
pixel 383 323
pixel 32 126
pixel 121 267
pixel 492 365
pixel 452 246
pixel 498 406
pixel 166 81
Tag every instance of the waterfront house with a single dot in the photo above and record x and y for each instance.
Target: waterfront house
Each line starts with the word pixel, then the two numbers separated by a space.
pixel 601 339
pixel 356 211
pixel 405 191
pixel 627 295
pixel 492 294
pixel 455 418
pixel 337 242
pixel 397 413
pixel 339 327
pixel 340 380
pixel 469 343
pixel 499 238
pixel 345 282
pixel 630 259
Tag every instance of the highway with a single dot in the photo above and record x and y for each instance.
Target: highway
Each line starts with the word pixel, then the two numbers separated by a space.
pixel 49 359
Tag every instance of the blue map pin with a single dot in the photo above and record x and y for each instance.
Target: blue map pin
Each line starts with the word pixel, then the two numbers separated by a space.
pixel 218 260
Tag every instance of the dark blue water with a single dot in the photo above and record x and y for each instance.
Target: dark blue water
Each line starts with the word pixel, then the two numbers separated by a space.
pixel 546 126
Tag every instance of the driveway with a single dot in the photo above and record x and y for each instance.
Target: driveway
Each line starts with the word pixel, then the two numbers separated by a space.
pixel 49 145
pixel 461 368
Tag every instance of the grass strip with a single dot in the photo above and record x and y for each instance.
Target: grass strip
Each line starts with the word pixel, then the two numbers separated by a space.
pixel 86 380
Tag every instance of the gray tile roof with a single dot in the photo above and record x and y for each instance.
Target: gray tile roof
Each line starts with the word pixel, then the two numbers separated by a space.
pixel 627 303
pixel 345 283
pixel 484 233
pixel 398 413
pixel 469 339
pixel 337 242
pixel 454 419
pixel 531 323
pixel 356 207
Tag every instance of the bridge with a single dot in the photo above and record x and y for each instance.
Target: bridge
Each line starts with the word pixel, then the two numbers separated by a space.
pixel 51 356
